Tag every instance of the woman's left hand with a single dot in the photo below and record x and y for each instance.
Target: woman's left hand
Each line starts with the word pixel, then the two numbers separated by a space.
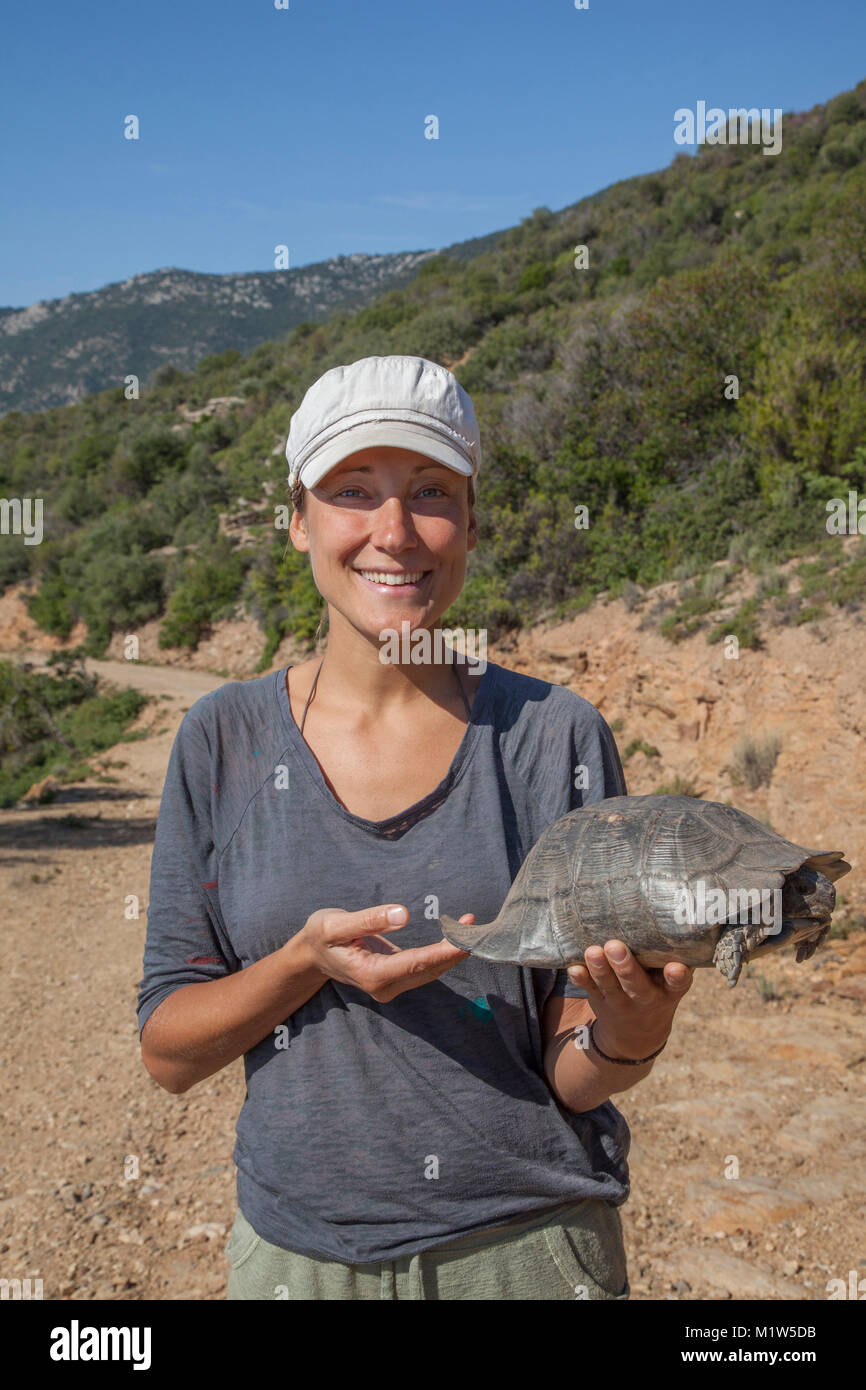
pixel 634 1007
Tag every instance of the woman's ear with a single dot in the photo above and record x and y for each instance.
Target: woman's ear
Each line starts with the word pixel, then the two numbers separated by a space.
pixel 298 531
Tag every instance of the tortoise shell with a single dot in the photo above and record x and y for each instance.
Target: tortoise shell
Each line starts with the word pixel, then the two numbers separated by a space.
pixel 626 866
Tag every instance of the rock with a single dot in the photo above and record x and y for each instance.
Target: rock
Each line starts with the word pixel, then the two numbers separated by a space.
pixel 856 962
pixel 853 988
pixel 556 674
pixel 723 1115
pixel 837 1117
pixel 46 790
pixel 709 1267
pixel 208 1230
pixel 796 1039
pixel 217 405
pixel 741 1204
pixel 846 1184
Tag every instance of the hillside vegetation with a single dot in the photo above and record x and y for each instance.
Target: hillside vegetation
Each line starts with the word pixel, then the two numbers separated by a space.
pixel 607 387
pixel 50 724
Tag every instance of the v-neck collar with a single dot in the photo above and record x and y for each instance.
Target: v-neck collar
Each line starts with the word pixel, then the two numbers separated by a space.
pixel 393 825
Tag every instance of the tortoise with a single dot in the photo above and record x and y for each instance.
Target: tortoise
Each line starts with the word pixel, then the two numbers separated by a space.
pixel 674 877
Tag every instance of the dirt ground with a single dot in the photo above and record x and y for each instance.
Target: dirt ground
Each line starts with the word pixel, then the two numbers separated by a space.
pixel 748 1139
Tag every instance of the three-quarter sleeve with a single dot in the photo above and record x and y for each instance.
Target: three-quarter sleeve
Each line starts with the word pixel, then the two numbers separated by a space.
pixel 186 936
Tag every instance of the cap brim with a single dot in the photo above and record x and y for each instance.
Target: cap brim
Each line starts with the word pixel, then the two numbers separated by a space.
pixel 393 434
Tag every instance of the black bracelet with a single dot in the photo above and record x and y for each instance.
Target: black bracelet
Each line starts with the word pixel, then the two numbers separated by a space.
pixel 624 1061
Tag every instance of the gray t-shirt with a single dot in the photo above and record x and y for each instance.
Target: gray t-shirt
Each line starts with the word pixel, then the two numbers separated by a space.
pixel 371 1131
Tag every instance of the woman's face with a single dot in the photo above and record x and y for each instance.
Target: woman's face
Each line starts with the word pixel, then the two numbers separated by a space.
pixel 387 512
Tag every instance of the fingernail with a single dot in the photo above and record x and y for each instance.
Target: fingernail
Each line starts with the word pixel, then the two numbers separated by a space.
pixel 396 915
pixel 617 952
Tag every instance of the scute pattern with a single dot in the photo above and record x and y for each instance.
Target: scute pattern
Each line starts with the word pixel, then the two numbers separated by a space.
pixel 619 868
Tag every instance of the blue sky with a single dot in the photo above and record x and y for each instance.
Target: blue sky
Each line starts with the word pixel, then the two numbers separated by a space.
pixel 306 126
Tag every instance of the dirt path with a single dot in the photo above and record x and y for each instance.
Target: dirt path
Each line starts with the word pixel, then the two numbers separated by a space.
pixel 111 1188
pixel 174 682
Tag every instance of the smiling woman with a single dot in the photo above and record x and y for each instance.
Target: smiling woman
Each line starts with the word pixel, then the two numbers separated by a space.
pixel 417 1123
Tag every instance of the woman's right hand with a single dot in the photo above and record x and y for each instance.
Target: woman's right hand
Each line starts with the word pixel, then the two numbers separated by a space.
pixel 351 947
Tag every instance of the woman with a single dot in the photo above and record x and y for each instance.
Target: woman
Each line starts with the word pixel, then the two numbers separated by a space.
pixel 418 1123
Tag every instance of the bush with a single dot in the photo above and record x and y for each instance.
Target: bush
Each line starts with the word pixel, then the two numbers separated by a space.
pixel 218 361
pixel 53 606
pixel 283 597
pixel 168 375
pixel 754 760
pixel 743 626
pixel 630 594
pixel 638 745
pixel 680 786
pixel 696 602
pixel 482 605
pixel 148 456
pixel 208 591
pixel 535 277
pixel 50 722
pixel 772 586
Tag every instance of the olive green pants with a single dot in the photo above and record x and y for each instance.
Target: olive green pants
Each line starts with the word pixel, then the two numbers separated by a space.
pixel 572 1252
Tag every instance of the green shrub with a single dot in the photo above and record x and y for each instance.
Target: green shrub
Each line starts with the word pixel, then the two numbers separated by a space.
pixel 809 613
pixel 209 590
pixel 50 722
pixel 535 277
pixel 283 597
pixel 697 601
pixel 630 594
pixel 743 626
pixel 482 605
pixel 638 745
pixel 754 760
pixel 52 607
pixel 218 361
pixel 150 455
pixel 772 586
pixel 680 786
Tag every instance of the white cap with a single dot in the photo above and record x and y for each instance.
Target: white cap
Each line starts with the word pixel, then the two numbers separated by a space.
pixel 406 402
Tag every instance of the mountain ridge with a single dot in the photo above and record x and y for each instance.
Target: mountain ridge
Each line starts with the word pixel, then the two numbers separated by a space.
pixel 174 315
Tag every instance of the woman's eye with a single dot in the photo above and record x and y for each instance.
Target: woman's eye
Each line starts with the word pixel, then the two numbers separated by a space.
pixel 352 490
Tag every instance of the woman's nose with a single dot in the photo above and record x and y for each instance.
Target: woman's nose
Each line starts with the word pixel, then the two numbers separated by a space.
pixel 393 524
